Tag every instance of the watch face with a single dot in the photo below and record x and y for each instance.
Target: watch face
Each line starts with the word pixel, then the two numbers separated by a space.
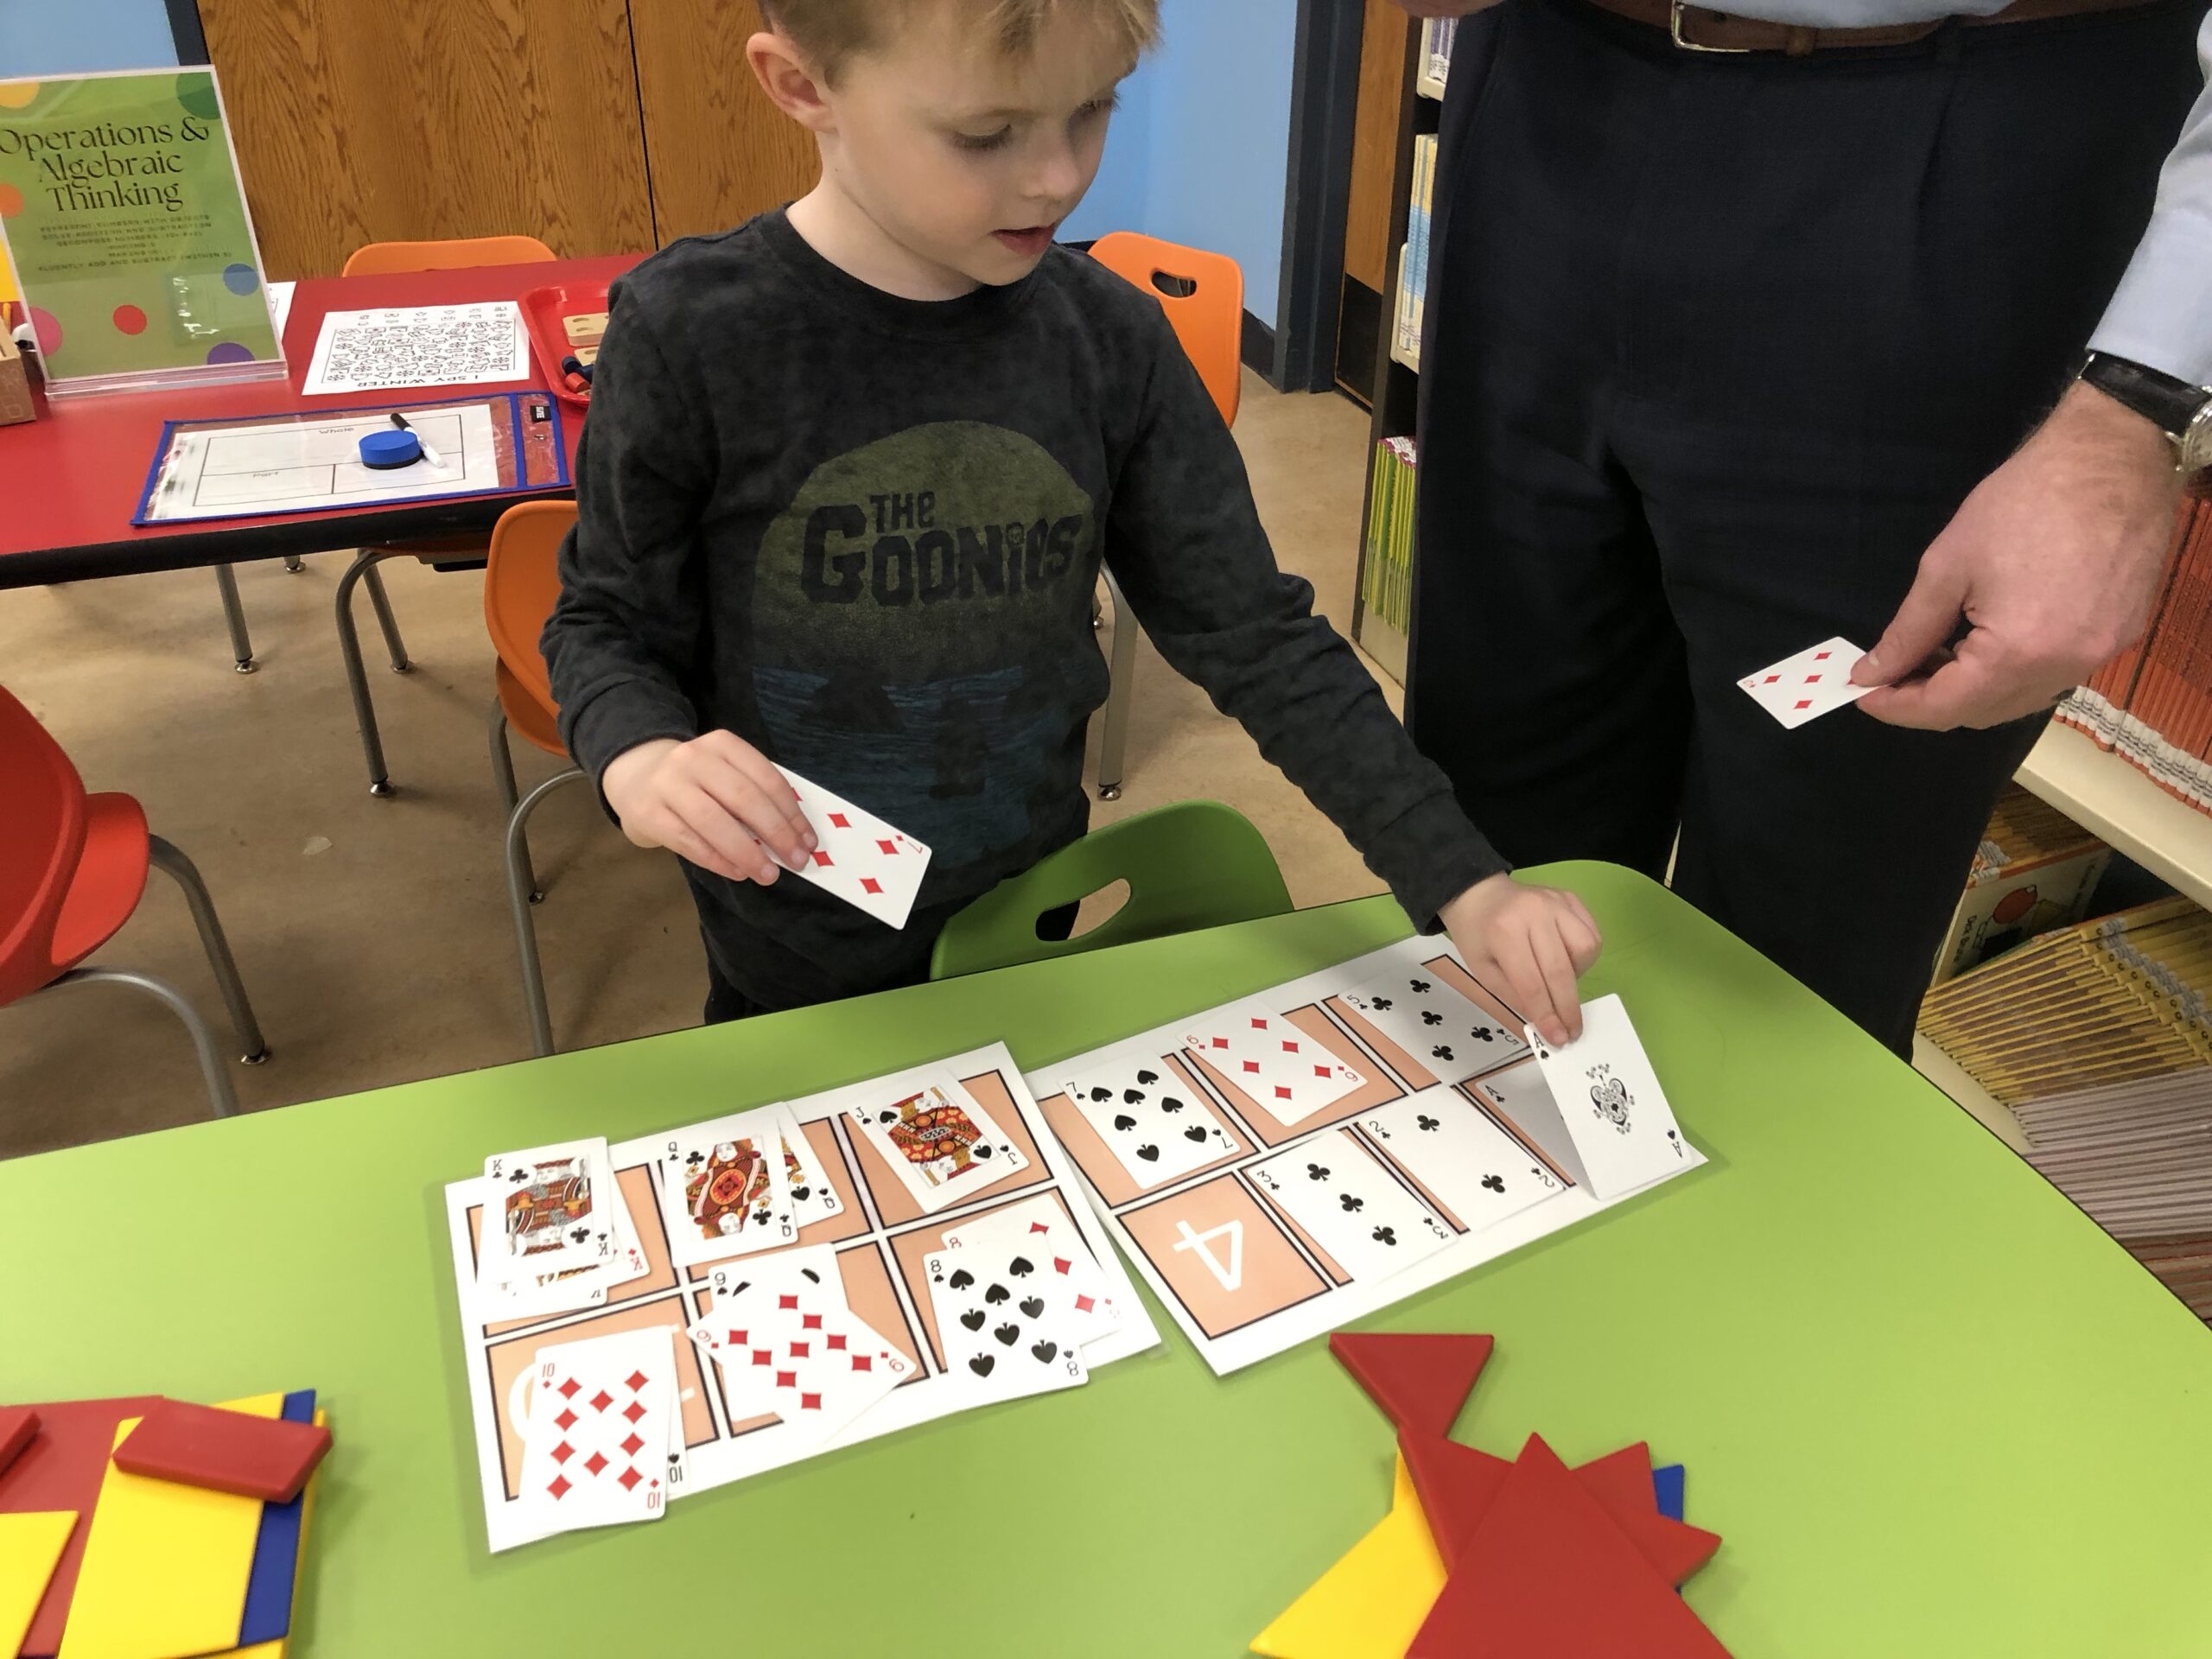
pixel 2195 443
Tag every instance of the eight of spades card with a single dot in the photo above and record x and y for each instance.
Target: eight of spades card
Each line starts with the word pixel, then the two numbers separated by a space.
pixel 787 1343
pixel 813 1198
pixel 1280 1068
pixel 1158 1129
pixel 598 1444
pixel 1004 1330
pixel 1610 1100
pixel 939 1142
pixel 1450 1037
pixel 555 1209
pixel 1037 1231
pixel 722 1189
pixel 1350 1206
pixel 1472 1167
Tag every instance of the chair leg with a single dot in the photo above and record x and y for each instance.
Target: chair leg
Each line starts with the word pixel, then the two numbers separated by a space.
pixel 170 857
pixel 533 977
pixel 503 776
pixel 220 1092
pixel 226 581
pixel 294 563
pixel 1113 735
pixel 357 676
pixel 395 647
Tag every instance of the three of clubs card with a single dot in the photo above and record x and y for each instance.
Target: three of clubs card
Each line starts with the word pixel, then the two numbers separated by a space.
pixel 1609 1097
pixel 857 857
pixel 1464 1161
pixel 1808 685
pixel 1350 1206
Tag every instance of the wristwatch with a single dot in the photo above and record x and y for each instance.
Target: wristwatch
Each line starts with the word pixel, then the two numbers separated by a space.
pixel 2180 411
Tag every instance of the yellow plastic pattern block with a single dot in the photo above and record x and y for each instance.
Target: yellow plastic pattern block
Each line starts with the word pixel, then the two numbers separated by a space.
pixel 166 1565
pixel 276 1648
pixel 30 1545
pixel 1371 1604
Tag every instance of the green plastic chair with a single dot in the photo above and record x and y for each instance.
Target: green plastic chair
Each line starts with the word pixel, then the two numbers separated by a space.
pixel 1193 864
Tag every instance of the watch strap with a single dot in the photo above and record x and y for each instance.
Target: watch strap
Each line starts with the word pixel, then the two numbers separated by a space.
pixel 2169 403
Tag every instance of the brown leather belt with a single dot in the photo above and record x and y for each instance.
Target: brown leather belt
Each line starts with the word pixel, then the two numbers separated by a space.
pixel 1701 28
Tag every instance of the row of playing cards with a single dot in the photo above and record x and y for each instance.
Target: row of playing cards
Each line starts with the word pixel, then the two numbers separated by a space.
pixel 602 1431
pixel 790 1346
pixel 1015 1295
pixel 555 1233
pixel 734 1185
pixel 867 862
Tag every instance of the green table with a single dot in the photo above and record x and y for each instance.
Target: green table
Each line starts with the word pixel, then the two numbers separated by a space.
pixel 1932 1409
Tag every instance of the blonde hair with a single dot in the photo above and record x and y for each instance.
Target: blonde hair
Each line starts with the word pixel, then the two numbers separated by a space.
pixel 832 31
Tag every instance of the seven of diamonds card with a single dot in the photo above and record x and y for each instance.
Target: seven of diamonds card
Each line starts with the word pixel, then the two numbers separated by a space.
pixel 939 1142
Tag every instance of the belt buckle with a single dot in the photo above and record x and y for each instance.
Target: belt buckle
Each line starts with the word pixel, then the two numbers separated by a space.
pixel 1674 31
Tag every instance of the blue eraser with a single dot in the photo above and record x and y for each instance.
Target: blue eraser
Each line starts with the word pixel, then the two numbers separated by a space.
pixel 390 447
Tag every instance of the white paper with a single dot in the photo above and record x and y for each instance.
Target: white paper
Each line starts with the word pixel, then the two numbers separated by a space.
pixel 221 472
pixel 280 306
pixel 400 348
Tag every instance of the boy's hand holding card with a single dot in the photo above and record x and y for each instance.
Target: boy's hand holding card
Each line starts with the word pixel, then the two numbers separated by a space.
pixel 856 856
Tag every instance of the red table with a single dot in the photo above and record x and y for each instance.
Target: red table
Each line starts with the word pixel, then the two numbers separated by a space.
pixel 70 480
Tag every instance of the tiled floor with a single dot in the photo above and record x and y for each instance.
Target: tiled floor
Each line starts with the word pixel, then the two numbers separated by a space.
pixel 373 934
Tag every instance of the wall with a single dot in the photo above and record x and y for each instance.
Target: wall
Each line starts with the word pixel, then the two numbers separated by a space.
pixel 60 37
pixel 1198 150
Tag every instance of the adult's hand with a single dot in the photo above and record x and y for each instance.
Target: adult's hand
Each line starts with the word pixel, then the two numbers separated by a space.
pixel 2053 561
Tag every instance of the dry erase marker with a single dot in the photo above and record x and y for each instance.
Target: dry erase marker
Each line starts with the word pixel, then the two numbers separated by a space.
pixel 429 453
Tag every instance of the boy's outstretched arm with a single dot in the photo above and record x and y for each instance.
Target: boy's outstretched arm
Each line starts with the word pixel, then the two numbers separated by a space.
pixel 1186 546
pixel 627 626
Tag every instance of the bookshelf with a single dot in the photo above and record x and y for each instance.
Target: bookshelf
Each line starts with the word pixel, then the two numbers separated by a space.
pixel 2105 795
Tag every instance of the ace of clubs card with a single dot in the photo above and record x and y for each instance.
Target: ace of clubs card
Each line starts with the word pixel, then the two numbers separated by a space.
pixel 1450 1037
pixel 1611 1102
pixel 1158 1129
pixel 857 857
pixel 723 1190
pixel 1814 681
pixel 1350 1206
pixel 939 1142
pixel 1281 1070
pixel 599 1446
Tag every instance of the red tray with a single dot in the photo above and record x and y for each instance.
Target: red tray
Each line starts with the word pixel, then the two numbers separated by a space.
pixel 545 312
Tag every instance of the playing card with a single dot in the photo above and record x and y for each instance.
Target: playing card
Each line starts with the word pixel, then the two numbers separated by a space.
pixel 1281 1070
pixel 1611 1100
pixel 1808 685
pixel 1157 1129
pixel 722 1189
pixel 1471 1167
pixel 1350 1206
pixel 555 1211
pixel 596 1443
pixel 857 856
pixel 1450 1037
pixel 1039 1230
pixel 937 1139
pixel 812 1197
pixel 787 1343
pixel 1003 1330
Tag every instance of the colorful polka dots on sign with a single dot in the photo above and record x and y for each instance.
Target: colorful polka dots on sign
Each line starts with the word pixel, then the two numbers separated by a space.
pixel 130 319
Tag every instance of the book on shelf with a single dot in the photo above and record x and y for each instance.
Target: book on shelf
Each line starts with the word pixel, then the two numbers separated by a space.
pixel 1436 35
pixel 1386 568
pixel 1413 258
pixel 2152 704
pixel 2035 870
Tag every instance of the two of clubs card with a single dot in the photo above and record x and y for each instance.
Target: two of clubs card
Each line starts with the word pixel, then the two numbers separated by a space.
pixel 1814 681
pixel 789 1345
pixel 601 1424
pixel 1600 1110
pixel 735 1185
pixel 870 865
pixel 1015 1295
pixel 553 1233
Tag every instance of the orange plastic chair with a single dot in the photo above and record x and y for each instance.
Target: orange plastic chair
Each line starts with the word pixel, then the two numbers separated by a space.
pixel 73 869
pixel 1204 295
pixel 455 253
pixel 522 580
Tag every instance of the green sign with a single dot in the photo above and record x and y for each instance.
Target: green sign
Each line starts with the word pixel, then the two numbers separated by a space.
pixel 127 229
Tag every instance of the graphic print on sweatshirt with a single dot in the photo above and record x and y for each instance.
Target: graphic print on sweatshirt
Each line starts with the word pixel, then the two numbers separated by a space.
pixel 922 639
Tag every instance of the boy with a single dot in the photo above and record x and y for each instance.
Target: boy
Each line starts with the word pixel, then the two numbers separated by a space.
pixel 849 475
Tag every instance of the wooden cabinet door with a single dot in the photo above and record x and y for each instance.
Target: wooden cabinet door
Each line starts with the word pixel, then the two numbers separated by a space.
pixel 407 120
pixel 1369 257
pixel 720 151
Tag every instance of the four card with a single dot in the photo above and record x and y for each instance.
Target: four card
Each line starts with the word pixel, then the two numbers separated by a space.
pixel 1610 1099
pixel 1808 685
pixel 857 857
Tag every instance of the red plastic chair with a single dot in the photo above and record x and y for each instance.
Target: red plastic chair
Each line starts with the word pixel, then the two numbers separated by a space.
pixel 522 580
pixel 1204 297
pixel 72 869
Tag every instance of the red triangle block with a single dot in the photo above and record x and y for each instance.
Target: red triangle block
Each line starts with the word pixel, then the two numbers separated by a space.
pixel 1420 1381
pixel 1547 1575
pixel 17 1425
pixel 1622 1485
pixel 1456 1484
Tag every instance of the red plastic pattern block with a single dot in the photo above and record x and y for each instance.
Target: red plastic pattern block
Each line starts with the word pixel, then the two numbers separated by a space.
pixel 62 1469
pixel 224 1451
pixel 17 1425
pixel 1419 1380
pixel 1622 1485
pixel 1547 1575
pixel 1456 1484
